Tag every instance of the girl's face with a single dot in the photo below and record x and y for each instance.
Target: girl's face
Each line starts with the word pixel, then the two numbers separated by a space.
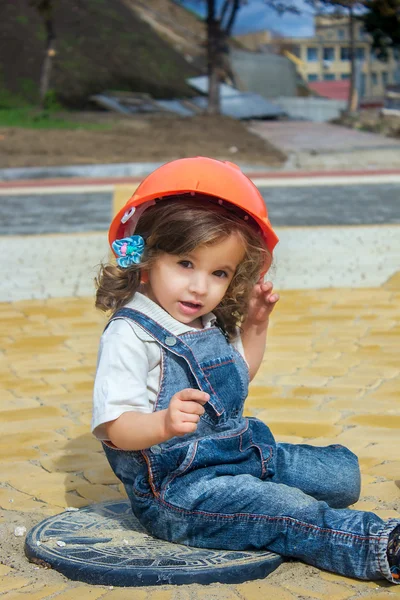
pixel 188 287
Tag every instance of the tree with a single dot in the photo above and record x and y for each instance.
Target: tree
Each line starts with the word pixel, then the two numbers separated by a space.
pixel 45 9
pixel 347 8
pixel 220 18
pixel 382 21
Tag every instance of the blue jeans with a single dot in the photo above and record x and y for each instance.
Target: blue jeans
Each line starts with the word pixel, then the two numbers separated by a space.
pixel 230 485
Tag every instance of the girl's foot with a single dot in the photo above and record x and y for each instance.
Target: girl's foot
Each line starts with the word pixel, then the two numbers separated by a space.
pixel 393 552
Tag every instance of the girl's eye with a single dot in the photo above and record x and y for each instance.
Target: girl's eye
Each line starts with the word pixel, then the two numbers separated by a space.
pixel 221 274
pixel 186 264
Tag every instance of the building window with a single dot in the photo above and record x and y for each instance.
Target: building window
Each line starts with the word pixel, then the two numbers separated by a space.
pixel 329 54
pixel 362 34
pixel 362 85
pixel 396 53
pixel 374 56
pixel 329 76
pixel 312 77
pixel 312 54
pixel 384 78
pixel 345 76
pixel 345 53
pixel 340 34
pixel 360 53
pixel 374 78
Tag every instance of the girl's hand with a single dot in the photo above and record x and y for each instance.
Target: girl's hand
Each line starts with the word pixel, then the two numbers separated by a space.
pixel 184 412
pixel 262 303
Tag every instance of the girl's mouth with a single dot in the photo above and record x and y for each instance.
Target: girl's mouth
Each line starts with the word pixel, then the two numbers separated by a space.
pixel 189 308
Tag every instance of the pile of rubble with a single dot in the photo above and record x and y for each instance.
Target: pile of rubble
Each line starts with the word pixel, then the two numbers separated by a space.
pixel 374 120
pixel 234 103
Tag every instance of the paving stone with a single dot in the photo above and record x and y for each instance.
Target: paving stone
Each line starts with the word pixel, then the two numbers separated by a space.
pixel 9 402
pixel 383 371
pixel 11 499
pixel 386 595
pixel 357 382
pixel 28 439
pixel 393 283
pixel 254 590
pixel 389 421
pixel 368 462
pixel 386 389
pixel 320 589
pixel 13 582
pixel 303 430
pixel 29 414
pixel 380 450
pixel 83 592
pixel 273 403
pixel 303 378
pixel 35 592
pixel 367 505
pixel 103 475
pixel 86 443
pixel 348 581
pixel 72 461
pixel 390 469
pixel 364 405
pixel 386 513
pixel 218 592
pixel 4 570
pixel 329 391
pixel 123 594
pixel 28 475
pixel 97 492
pixel 15 453
pixel 384 490
pixel 25 426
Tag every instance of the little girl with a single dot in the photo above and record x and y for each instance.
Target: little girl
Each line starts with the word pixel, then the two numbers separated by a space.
pixel 188 329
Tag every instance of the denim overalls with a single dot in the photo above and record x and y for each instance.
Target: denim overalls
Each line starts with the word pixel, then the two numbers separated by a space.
pixel 230 485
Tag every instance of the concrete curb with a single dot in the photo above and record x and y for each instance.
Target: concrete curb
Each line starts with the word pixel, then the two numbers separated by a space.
pixel 98 171
pixel 368 159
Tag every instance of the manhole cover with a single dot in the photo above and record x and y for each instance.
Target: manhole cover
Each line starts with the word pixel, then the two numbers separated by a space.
pixel 104 544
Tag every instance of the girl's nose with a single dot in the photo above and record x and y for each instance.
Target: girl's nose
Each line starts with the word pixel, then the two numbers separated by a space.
pixel 198 283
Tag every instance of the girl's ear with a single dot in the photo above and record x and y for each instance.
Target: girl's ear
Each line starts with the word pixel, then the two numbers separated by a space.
pixel 266 266
pixel 144 277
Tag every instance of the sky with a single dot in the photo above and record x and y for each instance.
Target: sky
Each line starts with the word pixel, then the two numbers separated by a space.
pixel 256 15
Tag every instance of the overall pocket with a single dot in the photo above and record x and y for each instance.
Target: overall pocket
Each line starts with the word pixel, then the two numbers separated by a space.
pixel 166 463
pixel 230 388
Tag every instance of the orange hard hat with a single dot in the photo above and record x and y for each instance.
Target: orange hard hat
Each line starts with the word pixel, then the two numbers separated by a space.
pixel 206 176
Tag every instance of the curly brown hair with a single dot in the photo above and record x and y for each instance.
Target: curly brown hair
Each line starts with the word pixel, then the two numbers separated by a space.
pixel 178 227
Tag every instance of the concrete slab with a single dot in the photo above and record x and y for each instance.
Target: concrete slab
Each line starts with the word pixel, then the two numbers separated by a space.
pixel 326 146
pixel 54 266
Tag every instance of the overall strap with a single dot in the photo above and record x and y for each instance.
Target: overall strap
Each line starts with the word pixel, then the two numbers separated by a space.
pixel 169 341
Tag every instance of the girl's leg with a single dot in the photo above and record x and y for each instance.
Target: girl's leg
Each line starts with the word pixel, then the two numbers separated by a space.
pixel 242 512
pixel 328 473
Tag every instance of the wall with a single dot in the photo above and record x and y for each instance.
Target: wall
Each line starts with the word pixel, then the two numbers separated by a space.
pixel 262 73
pixel 312 109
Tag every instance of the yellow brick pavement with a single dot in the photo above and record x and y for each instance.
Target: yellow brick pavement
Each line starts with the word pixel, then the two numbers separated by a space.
pixel 331 373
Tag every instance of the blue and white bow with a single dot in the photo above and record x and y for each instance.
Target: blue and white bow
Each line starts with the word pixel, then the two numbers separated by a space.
pixel 129 250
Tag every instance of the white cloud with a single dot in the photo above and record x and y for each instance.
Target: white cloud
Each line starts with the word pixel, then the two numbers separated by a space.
pixel 258 15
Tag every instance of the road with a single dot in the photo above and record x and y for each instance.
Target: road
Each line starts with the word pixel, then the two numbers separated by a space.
pixel 294 206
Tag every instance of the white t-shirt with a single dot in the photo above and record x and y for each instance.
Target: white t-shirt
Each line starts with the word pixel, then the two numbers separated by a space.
pixel 128 365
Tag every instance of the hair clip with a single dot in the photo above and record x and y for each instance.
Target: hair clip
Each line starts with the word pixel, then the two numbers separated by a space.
pixel 129 250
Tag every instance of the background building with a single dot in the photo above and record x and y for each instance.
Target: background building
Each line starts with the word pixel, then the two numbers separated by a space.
pixel 326 56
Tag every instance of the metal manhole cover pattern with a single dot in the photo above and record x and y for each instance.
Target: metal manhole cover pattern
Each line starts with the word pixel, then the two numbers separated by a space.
pixel 105 544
